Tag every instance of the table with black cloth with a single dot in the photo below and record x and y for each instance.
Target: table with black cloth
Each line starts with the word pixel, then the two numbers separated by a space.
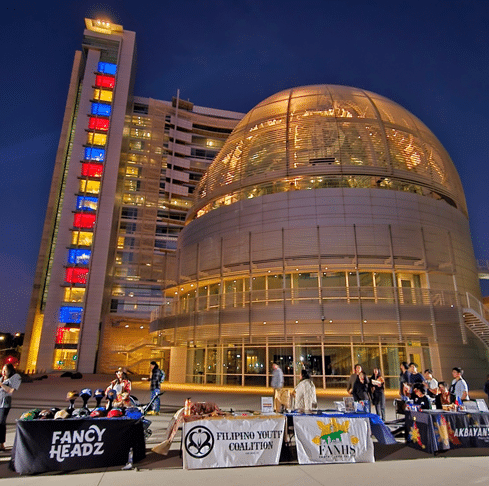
pixel 437 430
pixel 379 430
pixel 73 444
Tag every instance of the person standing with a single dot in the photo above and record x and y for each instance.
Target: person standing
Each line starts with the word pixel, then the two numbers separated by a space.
pixel 377 388
pixel 277 383
pixel 155 380
pixel 305 393
pixel 353 378
pixel 459 386
pixel 431 384
pixel 9 382
pixel 486 387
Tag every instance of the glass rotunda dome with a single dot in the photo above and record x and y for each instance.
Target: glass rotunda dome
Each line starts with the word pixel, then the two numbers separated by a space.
pixel 328 136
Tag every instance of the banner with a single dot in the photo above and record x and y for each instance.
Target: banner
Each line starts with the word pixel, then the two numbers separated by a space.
pixel 79 443
pixel 333 439
pixel 233 442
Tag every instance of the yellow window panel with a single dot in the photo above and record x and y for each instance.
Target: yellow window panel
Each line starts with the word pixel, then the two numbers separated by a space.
pixel 96 138
pixel 102 95
pixel 74 295
pixel 82 238
pixel 92 187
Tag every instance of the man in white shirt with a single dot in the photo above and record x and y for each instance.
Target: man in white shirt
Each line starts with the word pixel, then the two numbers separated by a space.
pixel 431 383
pixel 459 386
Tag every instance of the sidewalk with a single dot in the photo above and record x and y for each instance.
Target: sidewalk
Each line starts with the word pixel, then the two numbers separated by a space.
pixel 397 464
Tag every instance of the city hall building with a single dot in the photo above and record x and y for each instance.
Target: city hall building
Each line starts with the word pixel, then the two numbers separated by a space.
pixel 330 228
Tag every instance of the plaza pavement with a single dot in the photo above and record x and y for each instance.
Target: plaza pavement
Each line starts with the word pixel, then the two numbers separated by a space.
pixel 397 464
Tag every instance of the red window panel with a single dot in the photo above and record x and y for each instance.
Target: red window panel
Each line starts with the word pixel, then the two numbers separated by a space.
pixel 101 124
pixel 76 275
pixel 92 170
pixel 84 220
pixel 60 334
pixel 102 81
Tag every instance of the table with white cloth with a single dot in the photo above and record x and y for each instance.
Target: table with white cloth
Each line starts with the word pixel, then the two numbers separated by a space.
pixel 233 441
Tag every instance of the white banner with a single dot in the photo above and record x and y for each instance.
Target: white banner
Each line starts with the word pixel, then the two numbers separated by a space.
pixel 233 442
pixel 333 439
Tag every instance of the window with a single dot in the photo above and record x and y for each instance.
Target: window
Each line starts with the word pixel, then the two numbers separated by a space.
pixel 84 220
pixel 101 109
pixel 76 275
pixel 65 359
pixel 74 294
pixel 79 257
pixel 92 170
pixel 92 187
pixel 102 81
pixel 86 203
pixel 81 238
pixel 92 153
pixel 96 138
pixel 102 95
pixel 72 315
pixel 107 68
pixel 101 124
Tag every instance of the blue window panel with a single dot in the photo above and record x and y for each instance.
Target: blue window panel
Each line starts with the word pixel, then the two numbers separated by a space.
pixel 101 109
pixel 70 315
pixel 95 154
pixel 86 203
pixel 79 257
pixel 107 68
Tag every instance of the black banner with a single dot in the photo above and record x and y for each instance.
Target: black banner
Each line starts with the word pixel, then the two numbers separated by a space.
pixel 438 431
pixel 71 444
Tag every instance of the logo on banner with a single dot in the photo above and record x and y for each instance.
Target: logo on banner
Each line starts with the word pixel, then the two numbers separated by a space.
pixel 77 443
pixel 335 442
pixel 199 442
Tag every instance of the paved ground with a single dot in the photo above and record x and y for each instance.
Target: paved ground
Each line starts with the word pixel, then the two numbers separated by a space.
pixel 396 464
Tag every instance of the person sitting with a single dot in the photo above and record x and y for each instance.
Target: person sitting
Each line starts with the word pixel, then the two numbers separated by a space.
pixel 444 397
pixel 122 387
pixel 305 393
pixel 419 390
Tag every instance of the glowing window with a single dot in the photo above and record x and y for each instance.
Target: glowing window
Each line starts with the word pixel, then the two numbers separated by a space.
pixel 79 257
pixel 102 81
pixel 86 203
pixel 101 109
pixel 102 95
pixel 98 123
pixel 92 170
pixel 92 187
pixel 81 238
pixel 65 359
pixel 71 315
pixel 92 153
pixel 96 138
pixel 84 220
pixel 107 68
pixel 76 275
pixel 74 294
pixel 67 335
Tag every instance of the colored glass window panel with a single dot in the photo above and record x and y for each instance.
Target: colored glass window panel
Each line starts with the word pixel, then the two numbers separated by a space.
pixel 81 238
pixel 71 315
pixel 107 68
pixel 65 359
pixel 76 275
pixel 101 109
pixel 92 153
pixel 86 203
pixel 67 335
pixel 73 294
pixel 101 124
pixel 92 170
pixel 79 257
pixel 91 187
pixel 103 95
pixel 84 220
pixel 103 81
pixel 96 138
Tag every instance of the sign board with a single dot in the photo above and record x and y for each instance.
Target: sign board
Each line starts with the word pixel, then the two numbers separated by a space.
pixel 333 440
pixel 233 442
pixel 267 404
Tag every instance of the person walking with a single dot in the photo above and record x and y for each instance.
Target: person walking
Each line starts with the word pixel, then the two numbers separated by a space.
pixel 155 380
pixel 9 382
pixel 277 383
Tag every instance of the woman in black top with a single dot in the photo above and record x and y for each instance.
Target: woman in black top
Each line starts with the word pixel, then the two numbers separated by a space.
pixel 360 388
pixel 377 385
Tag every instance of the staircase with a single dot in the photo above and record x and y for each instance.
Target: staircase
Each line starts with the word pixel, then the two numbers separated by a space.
pixel 476 318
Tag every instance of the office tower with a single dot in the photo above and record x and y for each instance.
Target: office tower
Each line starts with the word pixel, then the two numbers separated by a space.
pixel 124 175
pixel 330 230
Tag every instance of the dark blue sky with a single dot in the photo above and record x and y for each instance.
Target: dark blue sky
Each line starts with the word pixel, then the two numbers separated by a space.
pixel 431 57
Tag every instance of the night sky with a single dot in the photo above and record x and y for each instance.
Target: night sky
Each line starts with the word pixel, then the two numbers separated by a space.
pixel 430 57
